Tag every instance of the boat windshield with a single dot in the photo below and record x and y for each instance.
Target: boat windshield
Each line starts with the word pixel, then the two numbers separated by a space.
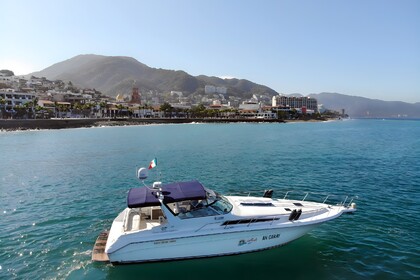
pixel 214 204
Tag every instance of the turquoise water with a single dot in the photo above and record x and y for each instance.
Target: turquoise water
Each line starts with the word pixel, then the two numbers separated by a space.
pixel 59 189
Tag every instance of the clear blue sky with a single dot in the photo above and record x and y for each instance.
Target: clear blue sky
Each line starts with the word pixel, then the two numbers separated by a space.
pixel 367 48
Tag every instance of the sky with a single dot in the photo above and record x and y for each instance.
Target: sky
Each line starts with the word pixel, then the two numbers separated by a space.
pixel 368 48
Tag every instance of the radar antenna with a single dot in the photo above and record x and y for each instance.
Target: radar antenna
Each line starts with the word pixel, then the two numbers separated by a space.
pixel 142 174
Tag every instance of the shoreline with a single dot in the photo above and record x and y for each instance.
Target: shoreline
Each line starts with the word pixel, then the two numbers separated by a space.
pixel 38 124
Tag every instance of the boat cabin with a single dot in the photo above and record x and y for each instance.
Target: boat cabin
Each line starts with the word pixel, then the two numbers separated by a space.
pixel 150 207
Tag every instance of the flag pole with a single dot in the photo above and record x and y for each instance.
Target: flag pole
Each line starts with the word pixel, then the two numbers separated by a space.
pixel 154 164
pixel 158 170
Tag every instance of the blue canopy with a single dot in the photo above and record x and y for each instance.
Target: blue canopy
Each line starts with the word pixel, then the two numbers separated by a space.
pixel 141 197
pixel 173 192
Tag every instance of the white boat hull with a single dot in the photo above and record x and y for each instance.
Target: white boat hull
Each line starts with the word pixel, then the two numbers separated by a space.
pixel 184 220
pixel 210 245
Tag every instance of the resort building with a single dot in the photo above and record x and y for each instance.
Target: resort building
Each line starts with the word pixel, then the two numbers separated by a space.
pixel 14 103
pixel 13 99
pixel 306 104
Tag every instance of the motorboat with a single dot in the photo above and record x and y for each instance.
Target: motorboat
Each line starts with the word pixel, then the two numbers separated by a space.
pixel 185 220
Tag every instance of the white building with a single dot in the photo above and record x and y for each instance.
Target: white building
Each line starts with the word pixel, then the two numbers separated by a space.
pixel 222 90
pixel 208 89
pixel 250 105
pixel 5 79
pixel 179 93
pixel 13 99
pixel 295 102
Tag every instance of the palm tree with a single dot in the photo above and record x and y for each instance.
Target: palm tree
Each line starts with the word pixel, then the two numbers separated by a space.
pixel 56 109
pixel 34 104
pixel 21 111
pixel 120 107
pixel 167 108
pixel 2 105
pixel 77 108
pixel 28 106
pixel 87 109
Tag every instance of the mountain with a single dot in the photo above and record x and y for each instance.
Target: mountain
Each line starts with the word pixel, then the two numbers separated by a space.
pixel 238 87
pixel 361 107
pixel 114 74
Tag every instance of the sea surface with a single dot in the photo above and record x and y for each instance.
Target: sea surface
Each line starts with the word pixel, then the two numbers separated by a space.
pixel 60 188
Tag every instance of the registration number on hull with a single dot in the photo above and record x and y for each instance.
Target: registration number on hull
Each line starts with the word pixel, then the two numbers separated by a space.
pixel 271 236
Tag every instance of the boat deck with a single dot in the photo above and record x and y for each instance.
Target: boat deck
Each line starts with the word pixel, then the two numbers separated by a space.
pixel 98 253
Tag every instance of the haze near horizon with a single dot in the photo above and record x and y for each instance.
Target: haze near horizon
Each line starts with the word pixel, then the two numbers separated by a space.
pixel 361 48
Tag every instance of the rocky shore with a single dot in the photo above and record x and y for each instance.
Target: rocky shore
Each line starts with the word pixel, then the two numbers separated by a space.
pixel 30 124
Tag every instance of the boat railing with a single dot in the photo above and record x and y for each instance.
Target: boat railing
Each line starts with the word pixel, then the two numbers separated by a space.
pixel 247 193
pixel 341 200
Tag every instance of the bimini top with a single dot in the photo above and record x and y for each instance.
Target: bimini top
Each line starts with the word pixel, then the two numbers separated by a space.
pixel 173 192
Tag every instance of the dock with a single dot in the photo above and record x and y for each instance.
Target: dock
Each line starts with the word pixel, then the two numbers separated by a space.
pixel 98 253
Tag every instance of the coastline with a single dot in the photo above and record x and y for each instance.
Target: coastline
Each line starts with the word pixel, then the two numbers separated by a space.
pixel 37 124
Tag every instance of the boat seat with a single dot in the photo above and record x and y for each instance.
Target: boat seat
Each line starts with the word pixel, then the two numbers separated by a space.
pixel 136 221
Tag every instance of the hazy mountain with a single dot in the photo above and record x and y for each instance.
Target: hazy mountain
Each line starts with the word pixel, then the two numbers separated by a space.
pixel 361 107
pixel 114 74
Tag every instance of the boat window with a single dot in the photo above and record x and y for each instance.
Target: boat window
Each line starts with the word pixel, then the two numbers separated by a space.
pixel 222 205
pixel 213 205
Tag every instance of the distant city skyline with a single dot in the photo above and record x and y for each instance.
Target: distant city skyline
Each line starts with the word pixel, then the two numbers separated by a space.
pixel 362 48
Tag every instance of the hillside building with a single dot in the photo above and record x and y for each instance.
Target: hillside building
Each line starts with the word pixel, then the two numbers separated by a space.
pixel 208 89
pixel 135 96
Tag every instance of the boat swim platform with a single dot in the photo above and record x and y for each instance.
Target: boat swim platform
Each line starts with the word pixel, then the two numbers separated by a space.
pixel 98 253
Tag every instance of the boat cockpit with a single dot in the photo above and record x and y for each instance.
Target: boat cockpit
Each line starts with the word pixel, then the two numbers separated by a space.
pixel 184 200
pixel 214 204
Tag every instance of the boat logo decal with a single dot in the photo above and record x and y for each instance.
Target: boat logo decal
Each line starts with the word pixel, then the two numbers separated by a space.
pixel 245 242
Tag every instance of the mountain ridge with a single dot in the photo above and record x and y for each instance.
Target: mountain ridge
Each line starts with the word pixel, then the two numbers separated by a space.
pixel 110 74
pixel 116 74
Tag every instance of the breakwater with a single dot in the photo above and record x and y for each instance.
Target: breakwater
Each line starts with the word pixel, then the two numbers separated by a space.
pixel 24 124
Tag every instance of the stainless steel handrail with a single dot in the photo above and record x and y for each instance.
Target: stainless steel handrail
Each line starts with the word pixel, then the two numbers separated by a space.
pixel 305 196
